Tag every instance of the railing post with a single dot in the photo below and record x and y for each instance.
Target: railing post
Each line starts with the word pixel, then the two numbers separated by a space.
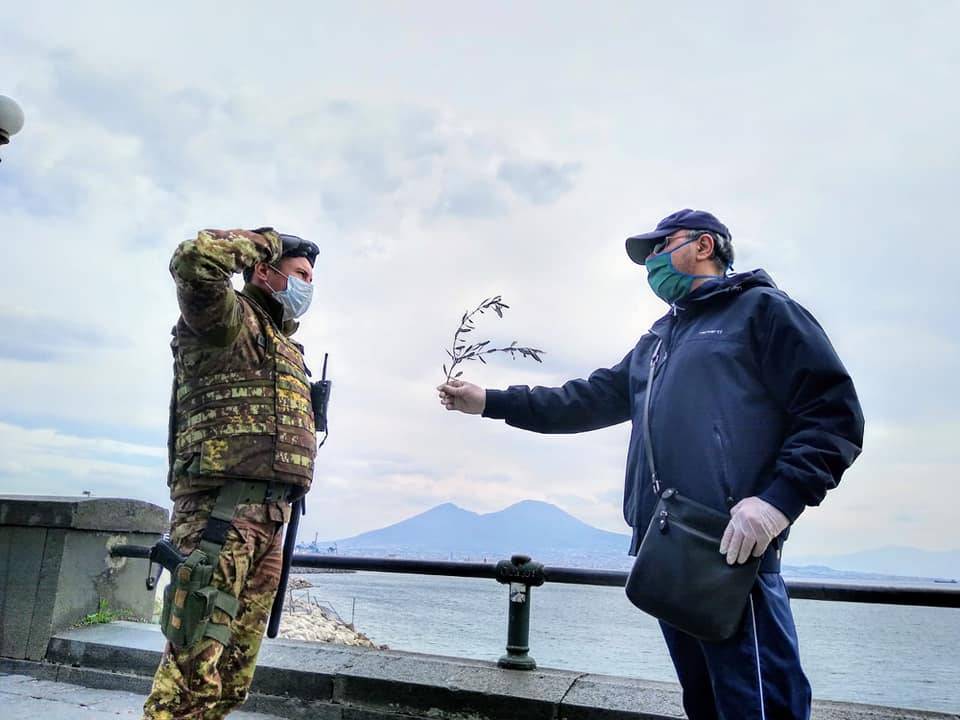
pixel 520 574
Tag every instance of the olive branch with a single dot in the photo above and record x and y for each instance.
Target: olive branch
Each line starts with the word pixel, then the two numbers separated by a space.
pixel 461 351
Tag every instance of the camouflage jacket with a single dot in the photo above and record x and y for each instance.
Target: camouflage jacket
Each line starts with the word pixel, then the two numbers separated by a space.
pixel 240 406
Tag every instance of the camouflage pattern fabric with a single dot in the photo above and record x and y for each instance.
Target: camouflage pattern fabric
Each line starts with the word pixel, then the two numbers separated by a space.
pixel 240 405
pixel 208 680
pixel 202 269
pixel 240 408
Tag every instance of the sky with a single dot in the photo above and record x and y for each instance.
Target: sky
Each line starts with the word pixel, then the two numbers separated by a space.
pixel 441 153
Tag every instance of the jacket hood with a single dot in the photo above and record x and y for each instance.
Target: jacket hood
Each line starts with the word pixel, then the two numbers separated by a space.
pixel 727 284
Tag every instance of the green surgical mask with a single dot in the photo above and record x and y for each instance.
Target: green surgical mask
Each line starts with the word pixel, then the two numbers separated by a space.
pixel 668 283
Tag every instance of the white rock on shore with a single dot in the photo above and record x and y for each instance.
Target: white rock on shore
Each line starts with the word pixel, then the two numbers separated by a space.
pixel 304 620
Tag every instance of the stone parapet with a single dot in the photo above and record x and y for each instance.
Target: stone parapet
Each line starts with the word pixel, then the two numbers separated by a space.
pixel 332 682
pixel 55 565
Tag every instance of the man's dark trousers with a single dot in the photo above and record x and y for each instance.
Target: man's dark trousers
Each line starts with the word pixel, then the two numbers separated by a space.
pixel 756 674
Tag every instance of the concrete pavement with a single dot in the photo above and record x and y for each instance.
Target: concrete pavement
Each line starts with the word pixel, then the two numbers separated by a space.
pixel 25 697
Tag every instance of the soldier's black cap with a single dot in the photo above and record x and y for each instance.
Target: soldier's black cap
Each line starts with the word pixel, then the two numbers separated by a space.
pixel 295 246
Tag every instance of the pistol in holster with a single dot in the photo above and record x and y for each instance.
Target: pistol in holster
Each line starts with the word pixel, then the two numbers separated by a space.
pixel 189 601
pixel 191 598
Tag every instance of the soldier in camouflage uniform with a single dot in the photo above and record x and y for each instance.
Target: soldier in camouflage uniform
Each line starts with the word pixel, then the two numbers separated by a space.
pixel 240 413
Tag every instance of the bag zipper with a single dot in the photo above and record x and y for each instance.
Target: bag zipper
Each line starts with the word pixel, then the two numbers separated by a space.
pixel 666 520
pixel 681 498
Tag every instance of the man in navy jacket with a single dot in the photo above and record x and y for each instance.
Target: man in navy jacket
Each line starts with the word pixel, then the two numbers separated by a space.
pixel 750 411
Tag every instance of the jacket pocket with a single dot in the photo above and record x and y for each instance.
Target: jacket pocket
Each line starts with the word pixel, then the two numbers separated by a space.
pixel 723 465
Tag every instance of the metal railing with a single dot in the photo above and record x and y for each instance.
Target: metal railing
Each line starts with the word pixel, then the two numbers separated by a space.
pixel 521 574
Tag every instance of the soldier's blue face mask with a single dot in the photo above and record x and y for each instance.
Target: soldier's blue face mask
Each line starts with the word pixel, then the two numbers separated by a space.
pixel 295 298
pixel 668 283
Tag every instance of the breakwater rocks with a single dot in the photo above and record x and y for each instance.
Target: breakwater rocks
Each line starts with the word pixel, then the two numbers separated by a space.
pixel 304 618
pixel 320 571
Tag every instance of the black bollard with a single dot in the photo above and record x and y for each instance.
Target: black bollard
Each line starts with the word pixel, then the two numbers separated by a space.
pixel 520 574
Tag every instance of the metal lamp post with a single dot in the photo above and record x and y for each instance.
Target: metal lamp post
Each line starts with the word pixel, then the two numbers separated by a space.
pixel 11 119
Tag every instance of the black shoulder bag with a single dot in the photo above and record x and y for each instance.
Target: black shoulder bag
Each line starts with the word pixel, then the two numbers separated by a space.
pixel 679 575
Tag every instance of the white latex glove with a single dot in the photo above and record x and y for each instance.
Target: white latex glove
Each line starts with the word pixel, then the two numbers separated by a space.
pixel 753 524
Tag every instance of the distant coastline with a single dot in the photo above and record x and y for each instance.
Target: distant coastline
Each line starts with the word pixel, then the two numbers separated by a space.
pixel 604 561
pixel 552 536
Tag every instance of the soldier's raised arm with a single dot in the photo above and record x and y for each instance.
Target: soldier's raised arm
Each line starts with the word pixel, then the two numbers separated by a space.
pixel 202 269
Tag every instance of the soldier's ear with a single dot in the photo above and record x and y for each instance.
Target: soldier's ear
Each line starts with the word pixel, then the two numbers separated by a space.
pixel 260 271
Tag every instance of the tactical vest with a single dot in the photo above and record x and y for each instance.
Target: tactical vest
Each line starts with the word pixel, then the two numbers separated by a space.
pixel 241 411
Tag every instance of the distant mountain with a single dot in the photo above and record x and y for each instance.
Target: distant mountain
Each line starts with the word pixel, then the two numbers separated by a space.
pixel 532 527
pixel 551 535
pixel 903 561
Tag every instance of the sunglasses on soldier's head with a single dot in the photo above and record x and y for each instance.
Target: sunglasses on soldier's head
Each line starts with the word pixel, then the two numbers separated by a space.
pixel 294 246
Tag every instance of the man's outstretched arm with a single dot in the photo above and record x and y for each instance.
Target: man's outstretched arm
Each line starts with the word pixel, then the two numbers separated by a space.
pixel 601 400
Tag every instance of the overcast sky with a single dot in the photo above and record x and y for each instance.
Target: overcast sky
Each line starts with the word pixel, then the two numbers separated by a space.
pixel 440 153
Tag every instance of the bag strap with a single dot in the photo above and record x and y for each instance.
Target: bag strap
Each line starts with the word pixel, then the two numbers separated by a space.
pixel 648 444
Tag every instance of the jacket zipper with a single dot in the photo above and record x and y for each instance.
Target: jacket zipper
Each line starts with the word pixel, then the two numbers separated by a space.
pixel 724 481
pixel 648 445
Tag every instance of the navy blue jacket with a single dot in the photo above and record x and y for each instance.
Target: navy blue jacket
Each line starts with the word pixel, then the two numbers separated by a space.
pixel 748 398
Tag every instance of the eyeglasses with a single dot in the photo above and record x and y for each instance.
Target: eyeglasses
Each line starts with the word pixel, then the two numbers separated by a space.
pixel 661 245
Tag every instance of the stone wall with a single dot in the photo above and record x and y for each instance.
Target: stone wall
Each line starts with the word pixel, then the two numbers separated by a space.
pixel 55 566
pixel 321 681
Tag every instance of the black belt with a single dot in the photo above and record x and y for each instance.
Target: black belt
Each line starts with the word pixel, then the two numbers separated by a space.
pixel 256 492
pixel 229 497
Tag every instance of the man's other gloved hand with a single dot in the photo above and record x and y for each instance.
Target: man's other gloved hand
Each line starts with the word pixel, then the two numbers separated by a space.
pixel 753 524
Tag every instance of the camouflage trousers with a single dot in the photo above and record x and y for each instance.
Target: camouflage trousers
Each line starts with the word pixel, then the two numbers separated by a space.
pixel 208 680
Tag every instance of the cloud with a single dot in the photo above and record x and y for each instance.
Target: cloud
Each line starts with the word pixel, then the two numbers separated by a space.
pixel 46 339
pixel 539 182
pixel 48 462
pixel 473 199
pixel 435 172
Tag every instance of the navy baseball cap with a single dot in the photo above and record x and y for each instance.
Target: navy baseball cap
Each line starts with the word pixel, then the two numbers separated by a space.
pixel 640 246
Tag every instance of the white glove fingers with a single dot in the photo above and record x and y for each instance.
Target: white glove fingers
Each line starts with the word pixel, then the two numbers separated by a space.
pixel 733 549
pixel 727 537
pixel 761 548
